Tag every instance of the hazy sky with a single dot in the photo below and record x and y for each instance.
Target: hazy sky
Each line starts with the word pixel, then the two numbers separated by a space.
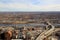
pixel 29 5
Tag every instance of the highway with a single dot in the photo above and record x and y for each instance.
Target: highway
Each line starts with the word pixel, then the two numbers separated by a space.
pixel 46 32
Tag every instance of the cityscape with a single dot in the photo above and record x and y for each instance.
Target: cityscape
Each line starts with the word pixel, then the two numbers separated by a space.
pixel 29 25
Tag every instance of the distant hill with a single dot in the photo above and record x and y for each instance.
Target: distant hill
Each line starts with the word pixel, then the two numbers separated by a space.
pixel 29 12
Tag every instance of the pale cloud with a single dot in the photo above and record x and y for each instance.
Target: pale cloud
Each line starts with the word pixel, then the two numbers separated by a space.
pixel 45 5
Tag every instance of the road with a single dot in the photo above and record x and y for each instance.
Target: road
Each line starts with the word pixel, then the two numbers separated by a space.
pixel 46 32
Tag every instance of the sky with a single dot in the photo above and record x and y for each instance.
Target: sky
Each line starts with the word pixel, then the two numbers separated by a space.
pixel 29 5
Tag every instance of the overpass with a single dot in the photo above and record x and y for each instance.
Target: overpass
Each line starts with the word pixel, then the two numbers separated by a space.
pixel 47 33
